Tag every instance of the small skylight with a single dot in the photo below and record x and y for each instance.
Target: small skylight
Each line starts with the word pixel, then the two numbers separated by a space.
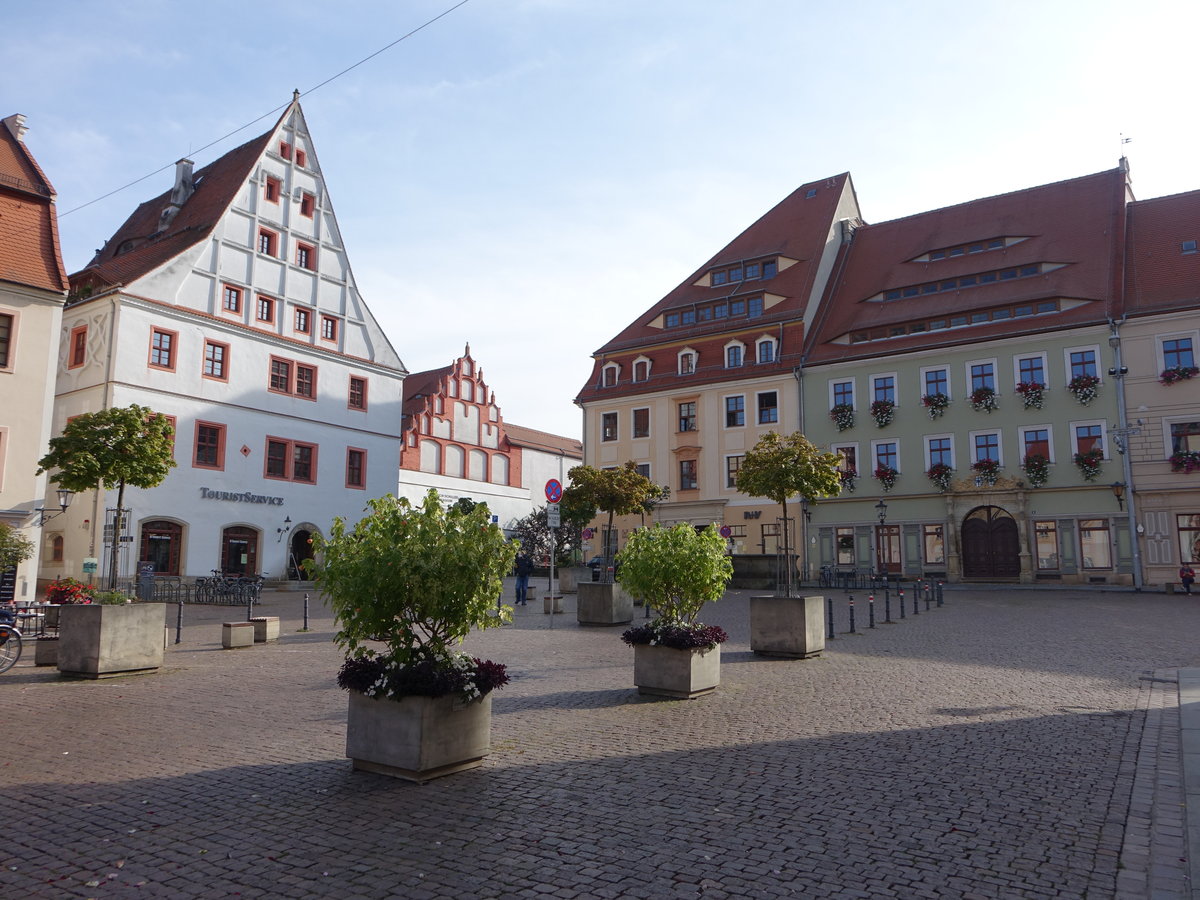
pixel 1188 246
pixel 812 192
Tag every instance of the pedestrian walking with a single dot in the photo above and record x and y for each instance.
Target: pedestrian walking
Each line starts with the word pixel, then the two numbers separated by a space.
pixel 1187 577
pixel 524 570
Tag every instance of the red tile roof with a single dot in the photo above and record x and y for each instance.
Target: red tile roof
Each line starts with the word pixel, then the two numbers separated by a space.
pixel 419 386
pixel 1078 223
pixel 216 184
pixel 1159 276
pixel 542 440
pixel 29 248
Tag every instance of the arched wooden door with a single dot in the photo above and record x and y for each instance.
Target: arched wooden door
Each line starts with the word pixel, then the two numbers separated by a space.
pixel 991 547
pixel 301 550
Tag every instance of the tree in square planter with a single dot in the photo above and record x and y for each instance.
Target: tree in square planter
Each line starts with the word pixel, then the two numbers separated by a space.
pixel 407 584
pixel 676 571
pixel 619 492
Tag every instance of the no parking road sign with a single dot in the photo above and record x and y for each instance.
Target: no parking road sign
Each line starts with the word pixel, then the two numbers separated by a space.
pixel 553 490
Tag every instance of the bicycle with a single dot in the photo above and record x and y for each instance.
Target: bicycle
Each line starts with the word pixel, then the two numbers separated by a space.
pixel 10 640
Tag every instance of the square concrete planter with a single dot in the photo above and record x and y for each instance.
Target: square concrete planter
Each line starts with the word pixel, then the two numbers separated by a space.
pixel 603 603
pixel 418 738
pixel 556 601
pixel 45 651
pixel 787 626
pixel 100 641
pixel 679 674
pixel 571 577
pixel 266 629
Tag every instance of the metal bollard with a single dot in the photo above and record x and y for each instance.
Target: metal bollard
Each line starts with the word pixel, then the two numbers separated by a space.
pixel 871 611
pixel 852 631
pixel 179 621
pixel 306 612
pixel 829 606
pixel 940 599
pixel 928 595
pixel 887 610
pixel 916 609
pixel 887 588
pixel 902 603
pixel 249 606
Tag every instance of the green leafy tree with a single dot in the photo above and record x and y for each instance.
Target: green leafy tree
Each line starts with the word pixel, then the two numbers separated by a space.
pixel 15 548
pixel 534 533
pixel 618 492
pixel 111 448
pixel 465 504
pixel 675 570
pixel 780 468
pixel 417 578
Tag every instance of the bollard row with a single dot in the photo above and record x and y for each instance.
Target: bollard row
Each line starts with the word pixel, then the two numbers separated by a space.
pixel 924 590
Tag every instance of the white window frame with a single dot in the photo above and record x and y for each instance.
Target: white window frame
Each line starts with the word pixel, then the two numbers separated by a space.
pixel 1045 367
pixel 875 444
pixel 1167 422
pixel 971 435
pixel 1104 445
pixel 853 390
pixel 1049 429
pixel 945 367
pixel 850 445
pixel 895 385
pixel 649 368
pixel 766 339
pixel 725 354
pixel 613 367
pixel 1067 351
pixel 934 437
pixel 968 384
pixel 686 351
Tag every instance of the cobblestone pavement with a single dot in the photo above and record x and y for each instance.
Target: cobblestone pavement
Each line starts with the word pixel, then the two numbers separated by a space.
pixel 1011 744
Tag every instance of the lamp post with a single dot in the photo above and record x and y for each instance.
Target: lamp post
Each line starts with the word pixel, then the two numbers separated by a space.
pixel 1120 434
pixel 1118 489
pixel 881 509
pixel 64 500
pixel 283 529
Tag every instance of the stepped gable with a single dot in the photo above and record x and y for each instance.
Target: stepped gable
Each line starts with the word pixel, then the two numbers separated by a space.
pixel 420 388
pixel 29 249
pixel 1071 230
pixel 215 188
pixel 1160 274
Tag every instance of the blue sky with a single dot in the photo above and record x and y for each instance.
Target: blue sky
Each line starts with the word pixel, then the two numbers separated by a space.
pixel 530 175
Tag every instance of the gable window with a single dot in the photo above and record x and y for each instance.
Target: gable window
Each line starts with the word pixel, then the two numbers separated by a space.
pixel 641 422
pixel 78 347
pixel 162 349
pixel 687 416
pixel 6 339
pixel 768 408
pixel 766 351
pixel 215 360
pixel 268 242
pixel 1083 362
pixel 356 468
pixel 301 158
pixel 272 189
pixel 754 308
pixel 308 203
pixel 687 475
pixel 357 398
pixel 608 426
pixel 266 309
pixel 687 363
pixel 641 370
pixel 609 375
pixel 735 411
pixel 733 465
pixel 733 356
pixel 285 149
pixel 231 299
pixel 329 328
pixel 302 321
pixel 209 452
pixel 1177 354
pixel 291 461
pixel 306 256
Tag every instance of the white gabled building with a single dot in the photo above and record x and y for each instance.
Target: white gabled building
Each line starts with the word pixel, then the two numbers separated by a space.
pixel 228 304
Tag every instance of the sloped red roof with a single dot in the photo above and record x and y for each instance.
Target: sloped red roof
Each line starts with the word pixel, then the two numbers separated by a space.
pixel 543 440
pixel 795 228
pixel 29 248
pixel 216 184
pixel 418 386
pixel 1078 224
pixel 1159 275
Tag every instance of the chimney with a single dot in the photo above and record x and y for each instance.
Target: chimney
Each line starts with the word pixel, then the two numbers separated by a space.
pixel 179 194
pixel 16 124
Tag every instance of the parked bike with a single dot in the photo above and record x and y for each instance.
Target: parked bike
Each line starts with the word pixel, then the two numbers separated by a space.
pixel 10 639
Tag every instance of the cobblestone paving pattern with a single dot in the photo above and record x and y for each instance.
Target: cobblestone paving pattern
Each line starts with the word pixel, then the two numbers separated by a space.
pixel 986 749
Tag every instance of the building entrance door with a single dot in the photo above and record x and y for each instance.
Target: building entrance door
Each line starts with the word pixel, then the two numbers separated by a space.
pixel 991 547
pixel 239 551
pixel 161 542
pixel 301 550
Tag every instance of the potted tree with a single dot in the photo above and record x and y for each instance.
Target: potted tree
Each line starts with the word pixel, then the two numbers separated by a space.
pixel 618 492
pixel 676 571
pixel 407 584
pixel 780 468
